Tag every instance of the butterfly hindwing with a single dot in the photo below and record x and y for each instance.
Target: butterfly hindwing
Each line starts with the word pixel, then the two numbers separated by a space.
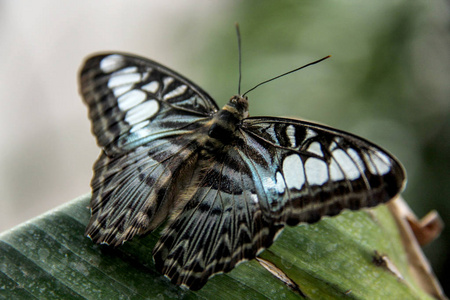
pixel 134 192
pixel 219 227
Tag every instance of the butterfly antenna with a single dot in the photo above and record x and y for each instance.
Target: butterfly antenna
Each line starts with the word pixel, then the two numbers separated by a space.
pixel 292 71
pixel 240 57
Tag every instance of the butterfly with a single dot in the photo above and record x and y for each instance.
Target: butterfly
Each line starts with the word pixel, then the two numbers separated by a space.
pixel 228 183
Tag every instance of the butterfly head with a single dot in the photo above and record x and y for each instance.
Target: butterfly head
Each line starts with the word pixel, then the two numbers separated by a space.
pixel 238 105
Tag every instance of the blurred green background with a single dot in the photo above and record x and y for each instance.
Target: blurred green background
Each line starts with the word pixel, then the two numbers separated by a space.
pixel 388 80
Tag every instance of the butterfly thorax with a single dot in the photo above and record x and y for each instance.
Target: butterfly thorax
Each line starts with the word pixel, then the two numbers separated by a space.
pixel 223 126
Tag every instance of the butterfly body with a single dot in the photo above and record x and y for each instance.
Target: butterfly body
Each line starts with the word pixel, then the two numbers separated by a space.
pixel 228 182
pixel 221 129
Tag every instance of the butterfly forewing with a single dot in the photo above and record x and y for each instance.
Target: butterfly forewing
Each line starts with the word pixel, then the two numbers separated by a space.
pixel 307 170
pixel 228 183
pixel 133 101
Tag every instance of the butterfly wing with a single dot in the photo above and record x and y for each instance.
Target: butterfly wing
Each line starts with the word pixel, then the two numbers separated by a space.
pixel 305 171
pixel 219 227
pixel 146 118
pixel 279 171
pixel 133 100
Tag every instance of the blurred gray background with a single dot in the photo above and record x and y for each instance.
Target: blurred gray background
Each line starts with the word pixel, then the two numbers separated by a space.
pixel 388 80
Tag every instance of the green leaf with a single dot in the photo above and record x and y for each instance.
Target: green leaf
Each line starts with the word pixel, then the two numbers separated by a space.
pixel 49 257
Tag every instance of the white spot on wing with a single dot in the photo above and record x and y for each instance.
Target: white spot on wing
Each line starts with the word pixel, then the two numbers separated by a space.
pixel 139 126
pixel 310 133
pixel 290 132
pixel 111 63
pixel 167 81
pixel 356 158
pixel 335 172
pixel 131 99
pixel 175 92
pixel 316 171
pixel 145 75
pixel 120 90
pixel 338 139
pixel 254 197
pixel 126 70
pixel 151 87
pixel 381 162
pixel 274 186
pixel 280 183
pixel 333 146
pixel 123 79
pixel 142 112
pixel 346 164
pixel 293 171
pixel 315 148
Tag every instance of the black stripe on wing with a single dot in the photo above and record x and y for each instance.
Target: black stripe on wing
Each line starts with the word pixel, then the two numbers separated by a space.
pixel 133 101
pixel 304 171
